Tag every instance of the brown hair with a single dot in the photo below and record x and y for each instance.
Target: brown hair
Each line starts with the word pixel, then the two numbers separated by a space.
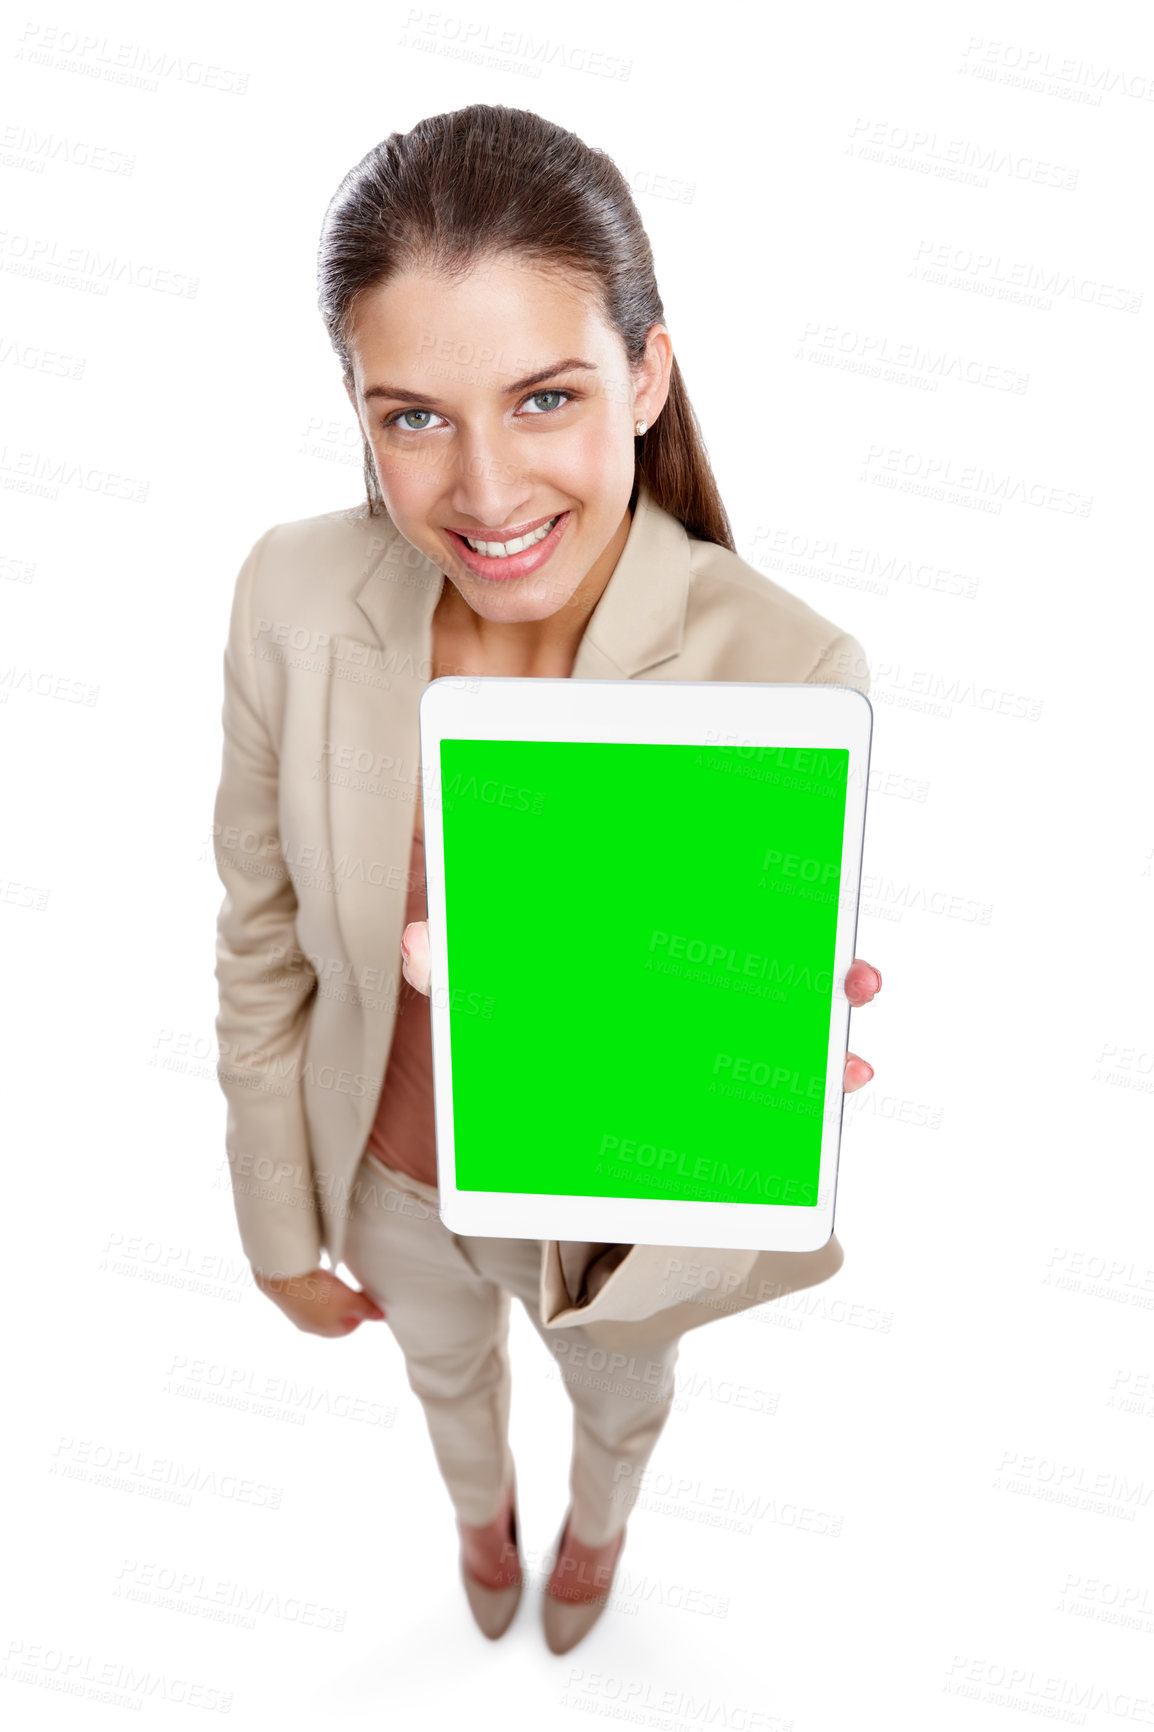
pixel 489 180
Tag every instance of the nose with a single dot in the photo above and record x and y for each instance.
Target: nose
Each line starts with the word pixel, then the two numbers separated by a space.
pixel 490 487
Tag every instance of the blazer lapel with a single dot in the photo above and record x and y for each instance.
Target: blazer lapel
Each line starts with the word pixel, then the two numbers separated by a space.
pixel 370 764
pixel 639 619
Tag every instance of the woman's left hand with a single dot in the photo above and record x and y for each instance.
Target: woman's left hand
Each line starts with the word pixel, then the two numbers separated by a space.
pixel 863 982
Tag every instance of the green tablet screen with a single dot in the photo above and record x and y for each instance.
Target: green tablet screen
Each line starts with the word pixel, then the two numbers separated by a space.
pixel 641 951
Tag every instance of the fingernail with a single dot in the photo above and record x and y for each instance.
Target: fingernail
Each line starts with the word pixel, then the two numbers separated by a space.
pixel 878 987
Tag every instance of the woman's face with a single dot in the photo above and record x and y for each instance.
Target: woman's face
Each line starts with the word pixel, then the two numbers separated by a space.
pixel 493 405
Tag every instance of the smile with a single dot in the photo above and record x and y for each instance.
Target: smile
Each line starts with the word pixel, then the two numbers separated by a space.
pixel 502 549
pixel 519 556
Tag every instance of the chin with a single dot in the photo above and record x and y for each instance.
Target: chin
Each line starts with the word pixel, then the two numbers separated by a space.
pixel 521 603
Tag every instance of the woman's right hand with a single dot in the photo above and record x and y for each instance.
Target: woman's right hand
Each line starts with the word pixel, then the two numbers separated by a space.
pixel 415 955
pixel 320 1302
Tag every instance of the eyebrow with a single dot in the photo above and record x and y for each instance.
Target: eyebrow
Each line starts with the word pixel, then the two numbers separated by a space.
pixel 403 396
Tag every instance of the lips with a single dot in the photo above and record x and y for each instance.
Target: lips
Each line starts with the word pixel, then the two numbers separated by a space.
pixel 512 565
pixel 502 535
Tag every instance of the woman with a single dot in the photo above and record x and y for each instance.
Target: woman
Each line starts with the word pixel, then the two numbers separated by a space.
pixel 540 504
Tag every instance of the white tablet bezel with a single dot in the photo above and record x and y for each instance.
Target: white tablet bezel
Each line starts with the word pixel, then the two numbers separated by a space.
pixel 720 713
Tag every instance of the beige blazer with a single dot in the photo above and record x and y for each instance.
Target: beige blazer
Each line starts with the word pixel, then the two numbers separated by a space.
pixel 329 649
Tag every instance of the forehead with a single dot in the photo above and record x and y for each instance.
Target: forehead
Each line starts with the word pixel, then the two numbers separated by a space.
pixel 506 314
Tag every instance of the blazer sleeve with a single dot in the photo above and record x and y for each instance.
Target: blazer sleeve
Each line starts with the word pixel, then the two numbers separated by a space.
pixel 266 985
pixel 842 663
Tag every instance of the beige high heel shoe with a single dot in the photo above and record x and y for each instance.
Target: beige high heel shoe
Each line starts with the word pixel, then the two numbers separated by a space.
pixel 493 1609
pixel 567 1621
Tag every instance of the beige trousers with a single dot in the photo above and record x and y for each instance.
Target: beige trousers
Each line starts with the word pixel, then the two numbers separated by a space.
pixel 447 1299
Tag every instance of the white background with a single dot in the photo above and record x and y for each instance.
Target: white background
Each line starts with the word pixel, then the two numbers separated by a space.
pixel 921 1495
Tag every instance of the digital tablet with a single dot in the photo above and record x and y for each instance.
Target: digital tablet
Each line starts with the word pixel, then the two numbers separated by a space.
pixel 642 904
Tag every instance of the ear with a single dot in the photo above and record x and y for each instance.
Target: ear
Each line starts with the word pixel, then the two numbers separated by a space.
pixel 651 377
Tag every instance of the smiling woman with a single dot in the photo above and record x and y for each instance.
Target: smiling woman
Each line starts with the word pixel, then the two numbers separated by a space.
pixel 539 503
pixel 521 495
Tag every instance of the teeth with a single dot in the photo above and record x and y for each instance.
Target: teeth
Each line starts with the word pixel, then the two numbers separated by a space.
pixel 502 549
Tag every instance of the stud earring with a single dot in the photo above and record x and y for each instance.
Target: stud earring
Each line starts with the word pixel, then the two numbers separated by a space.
pixel 639 427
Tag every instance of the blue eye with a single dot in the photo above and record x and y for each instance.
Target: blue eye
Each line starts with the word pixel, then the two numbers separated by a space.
pixel 403 418
pixel 403 413
pixel 552 393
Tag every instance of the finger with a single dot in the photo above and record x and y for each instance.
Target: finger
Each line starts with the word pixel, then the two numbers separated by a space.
pixel 415 955
pixel 349 1301
pixel 863 982
pixel 857 1073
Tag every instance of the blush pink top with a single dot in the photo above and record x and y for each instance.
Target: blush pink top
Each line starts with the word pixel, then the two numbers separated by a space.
pixel 404 1129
